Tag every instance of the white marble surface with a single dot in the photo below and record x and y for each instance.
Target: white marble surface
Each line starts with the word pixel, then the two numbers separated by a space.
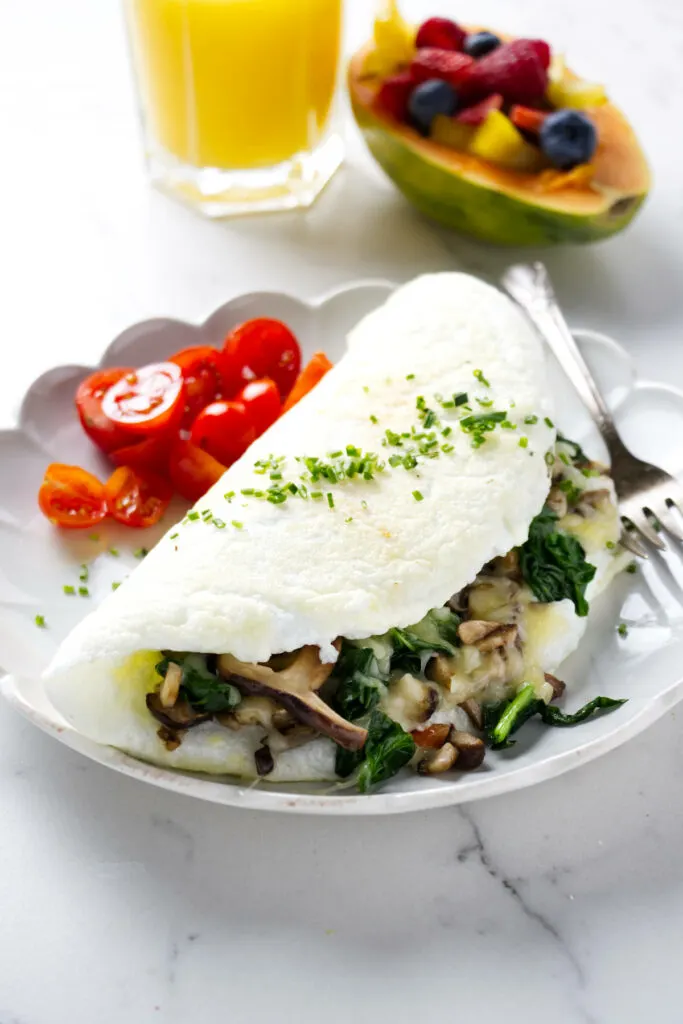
pixel 562 903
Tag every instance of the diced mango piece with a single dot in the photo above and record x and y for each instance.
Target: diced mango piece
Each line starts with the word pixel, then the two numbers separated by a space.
pixel 553 180
pixel 566 90
pixel 449 132
pixel 394 42
pixel 499 142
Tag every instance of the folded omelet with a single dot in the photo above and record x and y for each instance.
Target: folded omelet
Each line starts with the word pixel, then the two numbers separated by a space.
pixel 376 571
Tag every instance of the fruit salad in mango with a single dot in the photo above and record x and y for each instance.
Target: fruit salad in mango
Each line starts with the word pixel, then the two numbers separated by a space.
pixel 494 136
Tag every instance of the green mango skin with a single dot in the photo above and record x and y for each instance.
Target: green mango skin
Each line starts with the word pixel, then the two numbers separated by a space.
pixel 476 210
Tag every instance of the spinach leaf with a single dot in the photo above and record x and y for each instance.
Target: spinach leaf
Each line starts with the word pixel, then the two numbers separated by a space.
pixel 578 455
pixel 503 719
pixel 360 682
pixel 202 688
pixel 554 563
pixel 387 749
pixel 554 716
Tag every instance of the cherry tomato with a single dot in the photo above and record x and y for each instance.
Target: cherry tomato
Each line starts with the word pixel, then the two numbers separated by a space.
pixel 147 401
pixel 261 399
pixel 71 497
pixel 145 455
pixel 101 430
pixel 136 499
pixel 200 367
pixel 314 371
pixel 193 471
pixel 260 348
pixel 224 430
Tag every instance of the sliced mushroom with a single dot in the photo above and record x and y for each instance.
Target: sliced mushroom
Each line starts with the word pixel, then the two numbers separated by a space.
pixel 487 636
pixel 433 737
pixel 471 750
pixel 436 761
pixel 557 502
pixel 473 710
pixel 170 739
pixel 264 760
pixel 557 685
pixel 170 688
pixel 440 669
pixel 181 716
pixel 508 565
pixel 593 500
pixel 295 689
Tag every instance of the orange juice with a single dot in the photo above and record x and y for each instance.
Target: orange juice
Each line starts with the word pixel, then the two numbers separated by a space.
pixel 236 84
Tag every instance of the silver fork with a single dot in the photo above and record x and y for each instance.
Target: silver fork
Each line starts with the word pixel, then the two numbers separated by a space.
pixel 646 493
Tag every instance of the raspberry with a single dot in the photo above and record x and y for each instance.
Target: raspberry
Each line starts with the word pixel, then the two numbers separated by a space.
pixel 478 113
pixel 393 95
pixel 513 69
pixel 440 33
pixel 444 64
pixel 542 51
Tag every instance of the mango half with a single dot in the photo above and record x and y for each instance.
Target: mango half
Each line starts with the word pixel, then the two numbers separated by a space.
pixel 501 205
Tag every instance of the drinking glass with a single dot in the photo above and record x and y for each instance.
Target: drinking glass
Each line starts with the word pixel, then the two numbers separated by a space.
pixel 237 99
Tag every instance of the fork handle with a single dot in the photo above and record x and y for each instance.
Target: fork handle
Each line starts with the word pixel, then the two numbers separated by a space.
pixel 530 286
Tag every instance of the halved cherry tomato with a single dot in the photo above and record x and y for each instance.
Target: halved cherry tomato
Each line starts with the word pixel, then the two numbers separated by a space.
pixel 200 367
pixel 314 371
pixel 224 430
pixel 193 471
pixel 260 348
pixel 71 497
pixel 145 455
pixel 136 499
pixel 261 399
pixel 101 430
pixel 147 401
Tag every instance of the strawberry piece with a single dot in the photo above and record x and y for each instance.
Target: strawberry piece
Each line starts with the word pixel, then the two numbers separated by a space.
pixel 513 69
pixel 393 95
pixel 478 113
pixel 527 119
pixel 444 64
pixel 542 51
pixel 441 33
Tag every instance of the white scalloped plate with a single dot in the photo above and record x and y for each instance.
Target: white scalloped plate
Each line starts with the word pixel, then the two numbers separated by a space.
pixel 36 561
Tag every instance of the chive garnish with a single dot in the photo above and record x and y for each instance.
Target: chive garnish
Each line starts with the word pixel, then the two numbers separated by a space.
pixel 523 442
pixel 40 622
pixel 68 589
pixel 548 422
pixel 461 398
pixel 418 496
pixel 330 499
pixel 410 376
pixel 622 629
pixel 115 585
pixel 83 574
pixel 83 592
pixel 479 374
pixel 114 552
pixel 141 553
pixel 531 420
pixel 236 523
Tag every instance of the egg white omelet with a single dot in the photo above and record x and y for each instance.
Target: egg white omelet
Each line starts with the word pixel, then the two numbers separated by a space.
pixel 371 538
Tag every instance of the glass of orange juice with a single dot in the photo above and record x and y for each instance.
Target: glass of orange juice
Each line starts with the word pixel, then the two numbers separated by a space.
pixel 237 99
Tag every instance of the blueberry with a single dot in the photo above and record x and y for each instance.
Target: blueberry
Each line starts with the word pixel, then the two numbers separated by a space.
pixel 568 138
pixel 477 44
pixel 429 99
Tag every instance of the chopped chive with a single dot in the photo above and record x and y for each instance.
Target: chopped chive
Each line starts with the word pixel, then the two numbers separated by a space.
pixel 335 455
pixel 40 622
pixel 632 568
pixel 549 423
pixel 349 519
pixel 622 629
pixel 523 442
pixel 229 495
pixel 485 403
pixel 506 425
pixel 192 516
pixel 115 585
pixel 84 573
pixel 410 376
pixel 531 420
pixel 114 552
pixel 461 398
pixel 479 374
pixel 68 589
pixel 276 475
pixel 446 431
pixel 94 536
pixel 237 524
pixel 141 553
pixel 563 458
pixel 330 499
pixel 173 536
pixel 83 592
pixel 418 496
pixel 549 459
pixel 219 524
pixel 610 545
pixel 447 448
pixel 366 388
pixel 373 418
pixel 316 495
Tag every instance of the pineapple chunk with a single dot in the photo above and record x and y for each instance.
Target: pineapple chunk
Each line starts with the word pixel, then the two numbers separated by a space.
pixel 394 41
pixel 566 90
pixel 449 132
pixel 499 142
